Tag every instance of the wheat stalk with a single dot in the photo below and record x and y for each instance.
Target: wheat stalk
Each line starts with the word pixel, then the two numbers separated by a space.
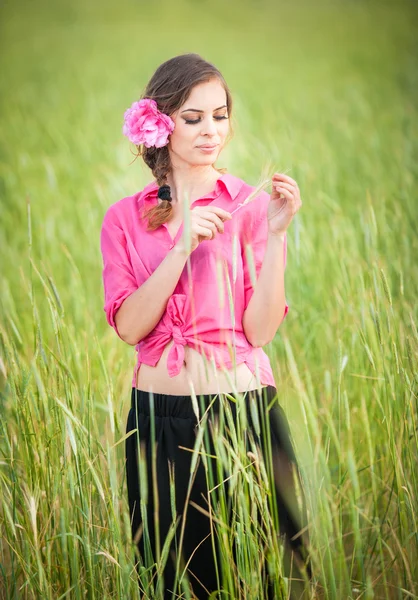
pixel 255 193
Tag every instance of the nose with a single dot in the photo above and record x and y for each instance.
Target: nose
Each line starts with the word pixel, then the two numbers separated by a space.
pixel 209 126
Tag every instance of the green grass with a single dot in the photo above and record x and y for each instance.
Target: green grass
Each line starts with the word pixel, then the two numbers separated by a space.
pixel 326 89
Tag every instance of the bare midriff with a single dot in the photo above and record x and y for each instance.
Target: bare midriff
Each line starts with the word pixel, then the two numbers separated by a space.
pixel 197 373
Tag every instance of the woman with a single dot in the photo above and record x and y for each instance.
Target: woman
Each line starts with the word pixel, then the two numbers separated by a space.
pixel 198 290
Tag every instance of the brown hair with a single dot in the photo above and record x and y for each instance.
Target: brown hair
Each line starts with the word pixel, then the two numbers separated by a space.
pixel 170 86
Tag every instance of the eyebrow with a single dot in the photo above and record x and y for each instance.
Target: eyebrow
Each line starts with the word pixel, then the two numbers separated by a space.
pixel 200 111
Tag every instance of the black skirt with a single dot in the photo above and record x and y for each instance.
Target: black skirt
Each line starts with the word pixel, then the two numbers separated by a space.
pixel 175 426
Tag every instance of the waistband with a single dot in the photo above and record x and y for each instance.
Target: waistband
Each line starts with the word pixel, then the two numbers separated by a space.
pixel 166 405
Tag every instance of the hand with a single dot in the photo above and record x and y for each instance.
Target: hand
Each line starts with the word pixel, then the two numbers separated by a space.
pixel 281 211
pixel 205 223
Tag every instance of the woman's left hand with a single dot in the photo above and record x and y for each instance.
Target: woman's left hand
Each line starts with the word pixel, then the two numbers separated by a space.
pixel 281 211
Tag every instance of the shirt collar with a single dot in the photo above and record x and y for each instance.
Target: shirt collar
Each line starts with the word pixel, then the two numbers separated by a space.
pixel 229 182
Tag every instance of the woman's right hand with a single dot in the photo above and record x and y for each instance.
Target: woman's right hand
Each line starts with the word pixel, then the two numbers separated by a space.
pixel 205 223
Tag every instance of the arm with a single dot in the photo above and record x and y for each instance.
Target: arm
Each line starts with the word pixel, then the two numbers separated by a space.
pixel 150 299
pixel 267 306
pixel 131 310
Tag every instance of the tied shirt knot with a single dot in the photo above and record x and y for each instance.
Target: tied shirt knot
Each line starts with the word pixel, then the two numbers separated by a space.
pixel 178 336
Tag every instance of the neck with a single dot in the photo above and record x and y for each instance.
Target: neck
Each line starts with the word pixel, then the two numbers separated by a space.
pixel 193 183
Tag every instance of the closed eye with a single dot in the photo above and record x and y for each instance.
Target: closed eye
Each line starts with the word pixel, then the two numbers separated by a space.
pixel 198 120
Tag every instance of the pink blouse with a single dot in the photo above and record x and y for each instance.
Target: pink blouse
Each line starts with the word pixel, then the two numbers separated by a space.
pixel 205 311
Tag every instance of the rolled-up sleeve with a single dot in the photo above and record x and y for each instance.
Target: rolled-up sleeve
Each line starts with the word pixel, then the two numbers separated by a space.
pixel 119 280
pixel 253 250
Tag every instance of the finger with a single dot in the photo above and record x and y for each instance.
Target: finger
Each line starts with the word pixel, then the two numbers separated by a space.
pixel 207 224
pixel 295 206
pixel 223 214
pixel 205 232
pixel 283 177
pixel 287 186
pixel 215 219
pixel 287 194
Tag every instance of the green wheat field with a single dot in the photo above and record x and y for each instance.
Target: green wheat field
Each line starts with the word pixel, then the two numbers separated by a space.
pixel 325 90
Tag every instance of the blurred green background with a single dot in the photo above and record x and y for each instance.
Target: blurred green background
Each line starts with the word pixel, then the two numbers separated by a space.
pixel 325 89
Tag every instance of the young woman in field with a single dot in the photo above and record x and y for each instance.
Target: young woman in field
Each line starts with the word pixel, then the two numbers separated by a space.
pixel 198 291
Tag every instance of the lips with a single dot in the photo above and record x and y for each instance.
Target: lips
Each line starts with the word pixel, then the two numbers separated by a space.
pixel 208 146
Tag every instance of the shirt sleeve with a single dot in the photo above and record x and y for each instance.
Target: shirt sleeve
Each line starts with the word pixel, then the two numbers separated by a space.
pixel 254 247
pixel 119 280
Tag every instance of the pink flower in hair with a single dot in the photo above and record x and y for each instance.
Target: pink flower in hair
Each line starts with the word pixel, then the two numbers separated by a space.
pixel 145 124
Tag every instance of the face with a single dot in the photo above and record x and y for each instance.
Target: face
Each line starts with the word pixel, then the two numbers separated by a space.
pixel 206 124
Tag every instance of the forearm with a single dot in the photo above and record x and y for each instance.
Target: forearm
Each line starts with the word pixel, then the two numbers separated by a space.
pixel 141 311
pixel 265 310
